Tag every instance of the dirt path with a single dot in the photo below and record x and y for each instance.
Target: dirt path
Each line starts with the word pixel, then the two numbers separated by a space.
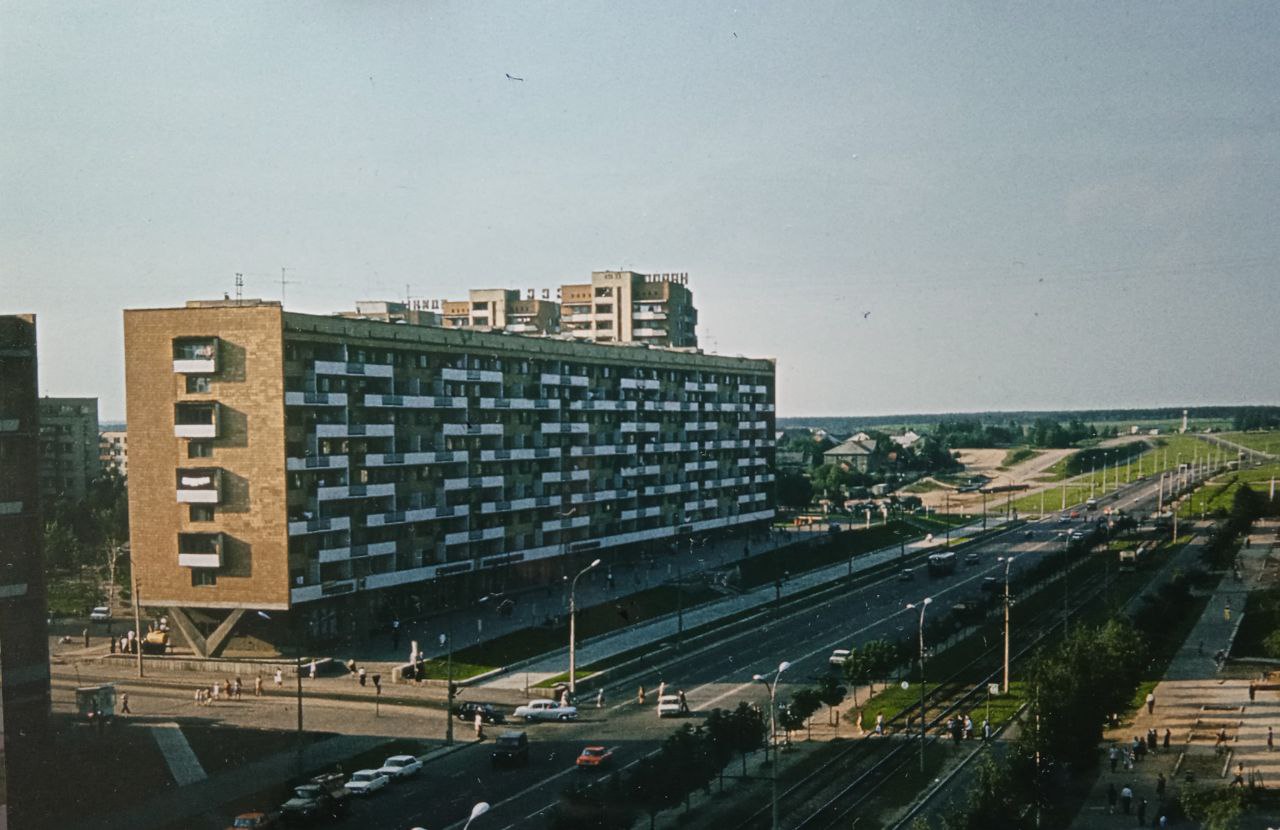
pixel 987 462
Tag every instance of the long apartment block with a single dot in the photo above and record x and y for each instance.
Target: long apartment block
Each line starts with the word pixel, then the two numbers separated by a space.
pixel 282 460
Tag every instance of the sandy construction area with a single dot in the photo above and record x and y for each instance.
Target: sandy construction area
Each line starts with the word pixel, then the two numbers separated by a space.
pixel 987 462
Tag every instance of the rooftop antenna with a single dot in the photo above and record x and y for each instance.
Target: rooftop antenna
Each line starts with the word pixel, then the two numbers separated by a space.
pixel 283 283
pixel 239 286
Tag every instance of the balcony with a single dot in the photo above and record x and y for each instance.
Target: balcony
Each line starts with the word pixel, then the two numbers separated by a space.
pixel 471 375
pixel 639 513
pixel 764 407
pixel 534 503
pixel 701 426
pixel 603 405
pixel 640 383
pixel 566 475
pixel 362 370
pixel 200 550
pixel 355 430
pixel 472 483
pixel 200 485
pixel 464 536
pixel 316 462
pixel 563 380
pixel 413 459
pixel 562 428
pixel 750 462
pixel 355 491
pixel 525 454
pixel 566 524
pixel 195 420
pixel 420 514
pixel 765 478
pixel 667 489
pixel 601 495
pixel 647 470
pixel 416 401
pixel 342 554
pixel 303 527
pixel 315 398
pixel 641 426
pixel 694 386
pixel 648 315
pixel 602 449
pixel 195 356
pixel 700 465
pixel 472 430
pixel 517 403
pixel 645 331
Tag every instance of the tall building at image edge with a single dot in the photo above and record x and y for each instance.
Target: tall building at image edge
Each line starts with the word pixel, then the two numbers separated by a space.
pixel 24 644
pixel 345 470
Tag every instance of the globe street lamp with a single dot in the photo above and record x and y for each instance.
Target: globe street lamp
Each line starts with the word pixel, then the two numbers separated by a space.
pixel 773 731
pixel 573 586
pixel 476 811
pixel 922 604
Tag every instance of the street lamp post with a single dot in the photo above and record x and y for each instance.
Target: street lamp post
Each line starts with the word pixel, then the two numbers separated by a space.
pixel 922 604
pixel 1008 560
pixel 948 511
pixel 573 629
pixel 773 731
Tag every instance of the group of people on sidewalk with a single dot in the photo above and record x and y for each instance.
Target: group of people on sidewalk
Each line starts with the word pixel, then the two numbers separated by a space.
pixel 229 689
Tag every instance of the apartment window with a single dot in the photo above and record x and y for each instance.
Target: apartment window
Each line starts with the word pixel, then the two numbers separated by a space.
pixel 203 578
pixel 202 512
pixel 604 308
pixel 197 383
pixel 199 449
pixel 604 324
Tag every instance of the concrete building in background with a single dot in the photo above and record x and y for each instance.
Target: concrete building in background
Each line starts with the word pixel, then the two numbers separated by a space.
pixel 113 452
pixel 24 644
pixel 349 470
pixel 392 312
pixel 626 307
pixel 70 455
pixel 502 310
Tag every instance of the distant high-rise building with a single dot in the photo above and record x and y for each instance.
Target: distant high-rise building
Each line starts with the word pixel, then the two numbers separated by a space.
pixel 24 643
pixel 392 312
pixel 502 310
pixel 626 307
pixel 340 471
pixel 70 455
pixel 114 452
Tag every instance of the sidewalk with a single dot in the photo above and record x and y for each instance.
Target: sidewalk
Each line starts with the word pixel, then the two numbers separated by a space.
pixel 1194 701
pixel 660 628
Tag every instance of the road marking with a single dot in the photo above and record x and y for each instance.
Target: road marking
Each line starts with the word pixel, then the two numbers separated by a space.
pixel 184 766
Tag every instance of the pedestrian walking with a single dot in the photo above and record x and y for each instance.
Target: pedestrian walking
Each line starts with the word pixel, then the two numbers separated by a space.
pixel 1153 738
pixel 1111 798
pixel 968 728
pixel 1167 735
pixel 479 727
pixel 112 642
pixel 312 670
pixel 640 696
pixel 257 686
pixel 217 689
pixel 124 704
pixel 880 723
pixel 1142 813
pixel 279 678
pixel 1271 745
pixel 600 698
pixel 564 698
pixel 1253 691
pixel 684 704
pixel 662 689
pixel 1164 823
pixel 1226 611
pixel 1160 785
pixel 238 688
pixel 857 722
pixel 86 638
pixel 1126 799
pixel 1151 702
pixel 986 729
pixel 361 675
pixel 1113 755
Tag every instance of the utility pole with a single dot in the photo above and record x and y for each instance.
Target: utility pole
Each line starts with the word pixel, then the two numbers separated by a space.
pixel 137 614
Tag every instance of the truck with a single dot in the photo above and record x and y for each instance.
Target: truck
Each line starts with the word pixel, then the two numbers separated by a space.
pixel 323 796
pixel 1131 558
pixel 941 564
pixel 96 702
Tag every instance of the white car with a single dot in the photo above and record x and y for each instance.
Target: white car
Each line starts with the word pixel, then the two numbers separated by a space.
pixel 669 706
pixel 545 709
pixel 366 781
pixel 839 657
pixel 100 614
pixel 400 766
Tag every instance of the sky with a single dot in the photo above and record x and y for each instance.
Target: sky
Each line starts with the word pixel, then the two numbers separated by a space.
pixel 913 207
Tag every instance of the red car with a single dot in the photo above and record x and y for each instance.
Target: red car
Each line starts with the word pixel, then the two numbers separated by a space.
pixel 595 757
pixel 254 821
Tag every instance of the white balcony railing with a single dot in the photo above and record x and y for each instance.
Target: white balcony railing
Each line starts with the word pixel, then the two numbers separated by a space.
pixel 335 367
pixel 472 375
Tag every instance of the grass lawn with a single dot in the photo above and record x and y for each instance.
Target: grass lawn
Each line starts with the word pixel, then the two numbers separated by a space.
pixel 72 597
pixel 921 486
pixel 1018 455
pixel 1264 441
pixel 1261 618
pixel 1220 493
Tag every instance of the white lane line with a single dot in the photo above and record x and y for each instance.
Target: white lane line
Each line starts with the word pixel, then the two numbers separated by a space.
pixel 184 766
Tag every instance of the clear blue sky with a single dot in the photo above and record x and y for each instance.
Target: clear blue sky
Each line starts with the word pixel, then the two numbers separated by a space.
pixel 1040 205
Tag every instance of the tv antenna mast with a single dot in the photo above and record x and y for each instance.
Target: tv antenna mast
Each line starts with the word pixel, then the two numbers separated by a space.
pixel 239 286
pixel 283 283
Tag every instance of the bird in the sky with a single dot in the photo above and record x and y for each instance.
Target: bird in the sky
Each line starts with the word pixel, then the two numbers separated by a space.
pixel 511 77
pixel 866 314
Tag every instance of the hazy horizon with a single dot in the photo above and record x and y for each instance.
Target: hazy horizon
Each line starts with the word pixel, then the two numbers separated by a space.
pixel 912 207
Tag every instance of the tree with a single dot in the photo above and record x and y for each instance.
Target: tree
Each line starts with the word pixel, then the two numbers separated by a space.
pixel 804 702
pixel 882 657
pixel 652 786
pixel 584 808
pixel 747 730
pixel 794 491
pixel 857 670
pixel 62 550
pixel 831 693
pixel 718 729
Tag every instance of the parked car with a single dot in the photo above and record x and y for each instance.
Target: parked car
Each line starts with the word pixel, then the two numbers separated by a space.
pixel 366 782
pixel 906 575
pixel 323 796
pixel 100 613
pixel 256 820
pixel 544 709
pixel 839 657
pixel 1064 518
pixel 595 757
pixel 510 749
pixel 487 711
pixel 400 766
pixel 972 559
pixel 669 706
